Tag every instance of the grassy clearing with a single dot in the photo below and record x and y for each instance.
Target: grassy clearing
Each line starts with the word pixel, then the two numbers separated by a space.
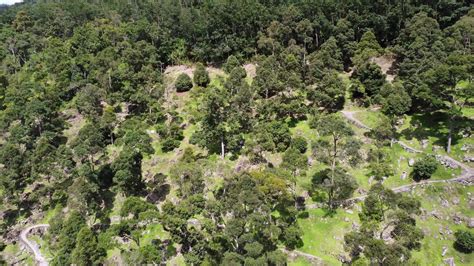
pixel 436 235
pixel 323 235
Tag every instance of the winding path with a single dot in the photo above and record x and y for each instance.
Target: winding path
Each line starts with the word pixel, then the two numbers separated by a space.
pixel 32 246
pixel 467 174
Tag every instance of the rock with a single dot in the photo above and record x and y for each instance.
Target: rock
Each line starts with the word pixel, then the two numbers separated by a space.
pixel 371 178
pixel 404 175
pixel 436 148
pixel 346 219
pixel 456 200
pixel 411 162
pixel 468 159
pixel 449 261
pixel 466 147
pixel 349 211
pixel 424 143
pixel 355 226
pixel 445 249
pixel 457 219
pixel 444 203
pixel 470 223
pixel 436 215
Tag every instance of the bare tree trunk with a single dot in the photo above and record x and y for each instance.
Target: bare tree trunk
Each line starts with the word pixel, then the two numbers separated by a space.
pixel 222 148
pixel 450 135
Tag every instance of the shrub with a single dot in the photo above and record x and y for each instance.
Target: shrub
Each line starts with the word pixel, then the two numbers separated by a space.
pixel 183 83
pixel 300 144
pixel 424 168
pixel 169 144
pixel 201 76
pixel 464 241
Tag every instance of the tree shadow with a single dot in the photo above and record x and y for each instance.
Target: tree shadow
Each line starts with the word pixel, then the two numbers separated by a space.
pixel 435 124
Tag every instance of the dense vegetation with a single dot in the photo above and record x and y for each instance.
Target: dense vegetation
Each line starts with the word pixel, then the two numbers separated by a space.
pixel 86 103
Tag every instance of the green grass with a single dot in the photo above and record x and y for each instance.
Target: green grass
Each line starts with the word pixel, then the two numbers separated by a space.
pixel 433 243
pixel 323 236
pixel 153 231
pixel 369 117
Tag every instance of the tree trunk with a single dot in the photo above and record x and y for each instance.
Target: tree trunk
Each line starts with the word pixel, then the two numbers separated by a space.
pixel 222 148
pixel 450 136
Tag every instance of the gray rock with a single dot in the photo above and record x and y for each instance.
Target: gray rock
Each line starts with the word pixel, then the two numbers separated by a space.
pixel 470 223
pixel 436 215
pixel 457 219
pixel 449 261
pixel 404 175
pixel 424 143
pixel 445 250
pixel 411 162
pixel 436 148
pixel 444 203
pixel 455 200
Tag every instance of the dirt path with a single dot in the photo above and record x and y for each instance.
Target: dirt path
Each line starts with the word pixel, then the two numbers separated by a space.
pixel 32 246
pixel 314 260
pixel 467 174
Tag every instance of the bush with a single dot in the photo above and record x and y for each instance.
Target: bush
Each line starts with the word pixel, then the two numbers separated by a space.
pixel 169 144
pixel 201 76
pixel 231 63
pixel 183 83
pixel 424 168
pixel 464 241
pixel 300 144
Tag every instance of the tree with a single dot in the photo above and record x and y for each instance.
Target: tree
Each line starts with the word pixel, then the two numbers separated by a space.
pixel 231 63
pixel 127 171
pixel 183 83
pixel 464 241
pixel 327 58
pixel 424 168
pixel 294 161
pixel 87 251
pixel 134 205
pixel 329 93
pixel 338 131
pixel 337 184
pixel 448 94
pixel 371 80
pixel 366 48
pixel 388 232
pixel 67 238
pixel 201 76
pixel 88 101
pixel 300 144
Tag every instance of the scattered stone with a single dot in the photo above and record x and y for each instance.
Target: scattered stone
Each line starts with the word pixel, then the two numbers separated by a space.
pixel 346 219
pixel 466 147
pixel 355 226
pixel 470 223
pixel 344 259
pixel 151 131
pixel 371 178
pixel 457 219
pixel 448 231
pixel 349 211
pixel 449 261
pixel 411 162
pixel 404 175
pixel 436 148
pixel 456 200
pixel 445 250
pixel 436 215
pixel 424 143
pixel 468 159
pixel 444 203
